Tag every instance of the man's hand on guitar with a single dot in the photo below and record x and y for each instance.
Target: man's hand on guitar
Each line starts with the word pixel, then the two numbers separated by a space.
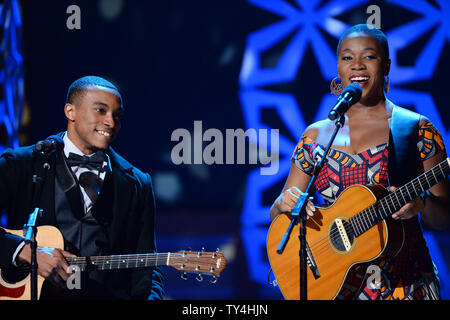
pixel 409 210
pixel 288 199
pixel 52 264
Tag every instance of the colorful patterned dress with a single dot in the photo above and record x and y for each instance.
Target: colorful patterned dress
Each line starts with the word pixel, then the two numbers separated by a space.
pixel 411 273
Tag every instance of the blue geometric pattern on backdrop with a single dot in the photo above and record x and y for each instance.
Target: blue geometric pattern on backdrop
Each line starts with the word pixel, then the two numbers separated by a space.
pixel 302 25
pixel 11 76
pixel 12 72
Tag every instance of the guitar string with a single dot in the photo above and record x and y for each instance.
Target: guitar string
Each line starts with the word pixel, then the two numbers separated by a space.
pixel 416 183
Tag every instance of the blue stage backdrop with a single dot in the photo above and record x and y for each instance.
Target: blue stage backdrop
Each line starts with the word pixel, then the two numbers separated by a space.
pixel 190 65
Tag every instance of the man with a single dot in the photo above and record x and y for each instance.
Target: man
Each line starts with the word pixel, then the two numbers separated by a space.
pixel 101 209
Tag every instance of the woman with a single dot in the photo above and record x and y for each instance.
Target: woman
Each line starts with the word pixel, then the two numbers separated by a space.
pixel 360 155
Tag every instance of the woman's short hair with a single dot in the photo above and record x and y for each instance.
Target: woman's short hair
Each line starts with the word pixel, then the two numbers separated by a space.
pixel 369 30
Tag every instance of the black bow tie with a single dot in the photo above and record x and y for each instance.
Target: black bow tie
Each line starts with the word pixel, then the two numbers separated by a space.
pixel 94 162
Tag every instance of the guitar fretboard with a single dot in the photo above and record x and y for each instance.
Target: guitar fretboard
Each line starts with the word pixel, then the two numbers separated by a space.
pixel 391 203
pixel 120 261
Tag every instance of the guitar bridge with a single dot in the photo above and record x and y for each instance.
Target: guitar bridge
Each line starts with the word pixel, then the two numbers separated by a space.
pixel 312 263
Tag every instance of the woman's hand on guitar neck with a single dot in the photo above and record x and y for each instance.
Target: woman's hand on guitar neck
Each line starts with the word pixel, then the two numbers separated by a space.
pixel 52 264
pixel 287 200
pixel 409 210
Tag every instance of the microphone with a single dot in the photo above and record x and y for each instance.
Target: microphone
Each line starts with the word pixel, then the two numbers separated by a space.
pixel 349 96
pixel 49 145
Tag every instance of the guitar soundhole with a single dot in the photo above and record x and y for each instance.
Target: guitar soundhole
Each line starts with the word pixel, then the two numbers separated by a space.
pixel 336 239
pixel 14 275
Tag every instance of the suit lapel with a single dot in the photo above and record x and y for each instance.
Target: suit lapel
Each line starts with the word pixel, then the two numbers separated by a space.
pixel 123 183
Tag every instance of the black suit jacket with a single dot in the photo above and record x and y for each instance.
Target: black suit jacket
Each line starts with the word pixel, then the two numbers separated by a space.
pixel 131 220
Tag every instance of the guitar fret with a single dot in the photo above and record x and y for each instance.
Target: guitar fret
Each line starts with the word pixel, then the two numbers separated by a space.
pixel 360 226
pixel 352 225
pixel 404 200
pixel 427 181
pixel 435 179
pixel 370 216
pixel 442 171
pixel 359 223
pixel 377 218
pixel 410 197
pixel 392 201
pixel 369 220
pixel 384 210
pixel 416 188
pixel 363 225
pixel 398 200
pixel 366 222
pixel 423 190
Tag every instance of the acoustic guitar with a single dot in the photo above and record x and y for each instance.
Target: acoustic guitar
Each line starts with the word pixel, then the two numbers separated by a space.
pixel 345 238
pixel 14 286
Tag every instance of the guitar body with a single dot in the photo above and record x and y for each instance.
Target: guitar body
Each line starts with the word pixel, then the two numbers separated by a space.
pixel 337 266
pixel 19 289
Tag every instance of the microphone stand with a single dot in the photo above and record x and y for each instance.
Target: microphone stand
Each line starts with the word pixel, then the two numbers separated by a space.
pixel 30 238
pixel 298 214
pixel 30 228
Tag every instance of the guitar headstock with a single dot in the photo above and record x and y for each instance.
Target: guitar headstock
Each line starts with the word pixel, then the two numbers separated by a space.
pixel 200 262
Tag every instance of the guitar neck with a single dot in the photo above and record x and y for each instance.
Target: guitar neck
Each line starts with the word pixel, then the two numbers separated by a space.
pixel 115 262
pixel 201 262
pixel 392 202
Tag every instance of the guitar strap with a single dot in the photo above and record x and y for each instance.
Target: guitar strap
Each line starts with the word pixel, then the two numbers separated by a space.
pixel 402 159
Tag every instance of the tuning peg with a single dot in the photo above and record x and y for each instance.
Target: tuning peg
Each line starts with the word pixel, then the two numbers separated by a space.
pixel 184 276
pixel 213 279
pixel 199 277
pixel 188 249
pixel 201 251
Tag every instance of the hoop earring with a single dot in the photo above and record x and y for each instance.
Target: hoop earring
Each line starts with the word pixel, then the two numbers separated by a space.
pixel 336 86
pixel 387 85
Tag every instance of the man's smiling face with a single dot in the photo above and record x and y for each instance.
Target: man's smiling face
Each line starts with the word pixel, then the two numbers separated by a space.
pixel 94 119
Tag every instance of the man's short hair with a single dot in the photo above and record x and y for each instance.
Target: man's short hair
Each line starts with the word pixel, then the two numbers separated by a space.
pixel 78 88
